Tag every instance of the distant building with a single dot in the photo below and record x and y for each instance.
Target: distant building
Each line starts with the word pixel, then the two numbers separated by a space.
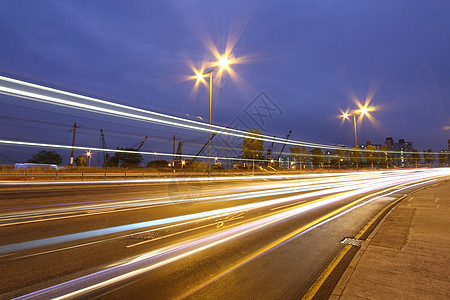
pixel 444 158
pixel 329 156
pixel 364 147
pixel 389 143
pixel 402 152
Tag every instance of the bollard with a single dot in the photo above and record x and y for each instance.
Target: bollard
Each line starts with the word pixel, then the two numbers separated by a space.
pixel 56 176
pixel 26 175
pixel 125 175
pixel 82 176
pixel 104 177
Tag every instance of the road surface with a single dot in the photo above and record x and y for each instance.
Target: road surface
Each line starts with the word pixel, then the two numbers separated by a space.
pixel 221 238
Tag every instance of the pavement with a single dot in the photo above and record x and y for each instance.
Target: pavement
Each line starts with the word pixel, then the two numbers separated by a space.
pixel 408 255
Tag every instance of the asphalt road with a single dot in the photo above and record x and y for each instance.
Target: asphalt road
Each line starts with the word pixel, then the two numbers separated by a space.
pixel 240 238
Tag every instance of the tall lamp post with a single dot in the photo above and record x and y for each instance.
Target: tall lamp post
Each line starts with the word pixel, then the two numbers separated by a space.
pixel 223 64
pixel 363 111
pixel 345 116
pixel 89 154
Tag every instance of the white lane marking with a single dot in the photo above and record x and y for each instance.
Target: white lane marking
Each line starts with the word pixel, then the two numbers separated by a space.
pixel 290 204
pixel 180 232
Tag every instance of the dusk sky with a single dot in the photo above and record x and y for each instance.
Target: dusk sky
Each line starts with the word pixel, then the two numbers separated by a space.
pixel 310 59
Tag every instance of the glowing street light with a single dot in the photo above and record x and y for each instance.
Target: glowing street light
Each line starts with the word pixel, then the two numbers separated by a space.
pixel 89 155
pixel 363 110
pixel 199 76
pixel 223 64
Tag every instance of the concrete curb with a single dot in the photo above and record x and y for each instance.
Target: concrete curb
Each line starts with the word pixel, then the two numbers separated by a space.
pixel 342 284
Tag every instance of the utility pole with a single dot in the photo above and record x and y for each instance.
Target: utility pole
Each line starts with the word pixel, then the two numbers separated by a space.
pixel 226 150
pixel 209 132
pixel 73 143
pixel 104 147
pixel 354 124
pixel 173 153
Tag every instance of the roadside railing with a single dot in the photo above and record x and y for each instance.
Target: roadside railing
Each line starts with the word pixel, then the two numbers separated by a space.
pixel 55 175
pixel 92 174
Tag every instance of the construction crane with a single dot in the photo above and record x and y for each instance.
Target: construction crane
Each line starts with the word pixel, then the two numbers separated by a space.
pixel 142 143
pixel 284 145
pixel 206 144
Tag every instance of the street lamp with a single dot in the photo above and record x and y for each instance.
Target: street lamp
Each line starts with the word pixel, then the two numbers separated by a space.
pixel 89 154
pixel 223 63
pixel 345 116
pixel 364 110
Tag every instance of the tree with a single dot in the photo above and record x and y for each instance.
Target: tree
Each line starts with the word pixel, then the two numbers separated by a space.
pixel 371 155
pixel 303 156
pixel 355 155
pixel 341 154
pixel 126 159
pixel 299 153
pixel 80 161
pixel 113 161
pixel 158 163
pixel 198 166
pixel 46 157
pixel 428 156
pixel 317 157
pixel 415 156
pixel 386 155
pixel 252 146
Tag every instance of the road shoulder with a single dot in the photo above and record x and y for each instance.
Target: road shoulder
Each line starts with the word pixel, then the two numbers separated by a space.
pixel 405 257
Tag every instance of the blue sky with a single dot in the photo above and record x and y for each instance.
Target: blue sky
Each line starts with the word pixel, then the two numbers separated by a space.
pixel 312 58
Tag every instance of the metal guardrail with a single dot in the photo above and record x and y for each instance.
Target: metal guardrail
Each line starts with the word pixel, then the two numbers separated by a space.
pixel 105 176
pixel 80 176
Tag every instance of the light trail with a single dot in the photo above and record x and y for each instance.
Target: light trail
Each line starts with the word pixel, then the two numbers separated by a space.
pixel 294 185
pixel 56 146
pixel 6 249
pixel 89 209
pixel 75 210
pixel 110 108
pixel 34 92
pixel 357 188
pixel 163 256
pixel 296 233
